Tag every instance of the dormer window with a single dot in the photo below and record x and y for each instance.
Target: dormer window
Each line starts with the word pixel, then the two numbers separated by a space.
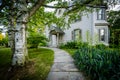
pixel 101 14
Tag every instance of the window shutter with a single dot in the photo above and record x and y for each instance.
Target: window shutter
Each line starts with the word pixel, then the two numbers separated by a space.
pixel 80 36
pixel 73 35
pixel 99 34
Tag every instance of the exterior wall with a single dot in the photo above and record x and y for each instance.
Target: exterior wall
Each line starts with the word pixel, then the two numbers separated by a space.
pixel 99 24
pixel 89 26
pixel 85 24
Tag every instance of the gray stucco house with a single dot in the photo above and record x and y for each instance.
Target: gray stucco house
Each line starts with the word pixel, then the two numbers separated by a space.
pixel 91 28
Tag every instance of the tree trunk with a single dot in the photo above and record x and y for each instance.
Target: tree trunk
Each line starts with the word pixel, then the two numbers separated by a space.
pixel 20 55
pixel 11 35
pixel 19 43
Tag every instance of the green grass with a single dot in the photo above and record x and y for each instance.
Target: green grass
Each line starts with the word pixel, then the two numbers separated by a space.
pixel 5 60
pixel 40 62
pixel 70 51
pixel 5 53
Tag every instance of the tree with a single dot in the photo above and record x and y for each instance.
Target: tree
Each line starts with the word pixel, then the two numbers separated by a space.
pixel 17 20
pixel 114 22
pixel 35 39
pixel 4 40
pixel 16 14
pixel 35 32
pixel 1 36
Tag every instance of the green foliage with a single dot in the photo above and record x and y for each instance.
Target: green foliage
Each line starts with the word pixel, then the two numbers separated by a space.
pixel 115 38
pixel 69 45
pixel 4 41
pixel 114 21
pixel 71 51
pixel 35 39
pixel 98 64
pixel 73 45
pixel 101 46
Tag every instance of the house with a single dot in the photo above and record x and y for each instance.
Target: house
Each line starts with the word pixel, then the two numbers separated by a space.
pixel 91 28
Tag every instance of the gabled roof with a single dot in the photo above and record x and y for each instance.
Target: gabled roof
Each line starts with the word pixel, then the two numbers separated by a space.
pixel 56 30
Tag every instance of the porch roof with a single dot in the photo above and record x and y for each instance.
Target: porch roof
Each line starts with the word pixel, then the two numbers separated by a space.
pixel 56 30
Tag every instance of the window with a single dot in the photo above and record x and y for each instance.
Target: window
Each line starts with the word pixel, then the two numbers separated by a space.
pixel 76 34
pixel 101 14
pixel 102 35
pixel 59 11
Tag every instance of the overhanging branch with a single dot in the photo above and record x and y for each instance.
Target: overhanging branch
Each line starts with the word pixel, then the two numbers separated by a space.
pixel 87 5
pixel 48 6
pixel 38 4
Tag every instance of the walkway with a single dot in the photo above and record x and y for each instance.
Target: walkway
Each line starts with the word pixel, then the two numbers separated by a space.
pixel 63 67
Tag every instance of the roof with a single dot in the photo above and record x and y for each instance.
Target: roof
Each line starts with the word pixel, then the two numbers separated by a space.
pixel 56 30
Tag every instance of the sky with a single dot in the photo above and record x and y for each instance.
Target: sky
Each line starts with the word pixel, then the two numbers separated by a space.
pixel 115 8
pixel 1 26
pixel 51 4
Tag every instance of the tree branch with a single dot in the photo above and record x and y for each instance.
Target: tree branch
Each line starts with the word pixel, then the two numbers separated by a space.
pixel 87 5
pixel 36 6
pixel 48 6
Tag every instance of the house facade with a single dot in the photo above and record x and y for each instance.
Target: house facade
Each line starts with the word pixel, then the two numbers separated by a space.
pixel 91 28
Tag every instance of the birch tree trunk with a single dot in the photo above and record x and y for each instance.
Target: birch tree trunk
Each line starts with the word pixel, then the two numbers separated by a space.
pixel 11 35
pixel 17 35
pixel 20 55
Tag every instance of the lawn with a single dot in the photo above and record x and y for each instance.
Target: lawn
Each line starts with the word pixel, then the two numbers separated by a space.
pixel 38 67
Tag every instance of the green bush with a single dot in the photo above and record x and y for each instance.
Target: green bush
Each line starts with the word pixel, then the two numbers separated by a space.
pixel 114 46
pixel 35 40
pixel 101 46
pixel 73 45
pixel 4 41
pixel 98 64
pixel 62 46
pixel 68 45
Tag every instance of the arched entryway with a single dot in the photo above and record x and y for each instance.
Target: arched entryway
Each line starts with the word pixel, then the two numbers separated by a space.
pixel 55 37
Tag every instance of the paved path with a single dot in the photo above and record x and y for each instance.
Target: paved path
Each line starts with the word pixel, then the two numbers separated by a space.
pixel 63 67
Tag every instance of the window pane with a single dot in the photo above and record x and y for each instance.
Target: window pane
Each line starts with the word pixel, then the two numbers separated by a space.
pixel 102 34
pixel 77 34
pixel 101 14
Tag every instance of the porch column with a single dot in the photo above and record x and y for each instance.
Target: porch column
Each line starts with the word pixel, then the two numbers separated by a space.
pixel 54 41
pixel 57 37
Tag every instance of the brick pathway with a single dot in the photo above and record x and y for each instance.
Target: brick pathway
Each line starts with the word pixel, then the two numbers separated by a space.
pixel 63 67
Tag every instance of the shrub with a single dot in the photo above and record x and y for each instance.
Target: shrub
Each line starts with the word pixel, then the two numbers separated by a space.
pixel 35 40
pixel 73 45
pixel 98 64
pixel 4 41
pixel 68 45
pixel 62 45
pixel 101 46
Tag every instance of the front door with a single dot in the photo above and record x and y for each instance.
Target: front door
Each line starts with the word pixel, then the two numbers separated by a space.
pixel 54 41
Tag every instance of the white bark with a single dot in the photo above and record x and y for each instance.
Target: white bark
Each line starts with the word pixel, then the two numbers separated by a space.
pixel 20 55
pixel 11 39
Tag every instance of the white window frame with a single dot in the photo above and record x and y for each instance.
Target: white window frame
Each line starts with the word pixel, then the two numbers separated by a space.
pixel 102 34
pixel 101 15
